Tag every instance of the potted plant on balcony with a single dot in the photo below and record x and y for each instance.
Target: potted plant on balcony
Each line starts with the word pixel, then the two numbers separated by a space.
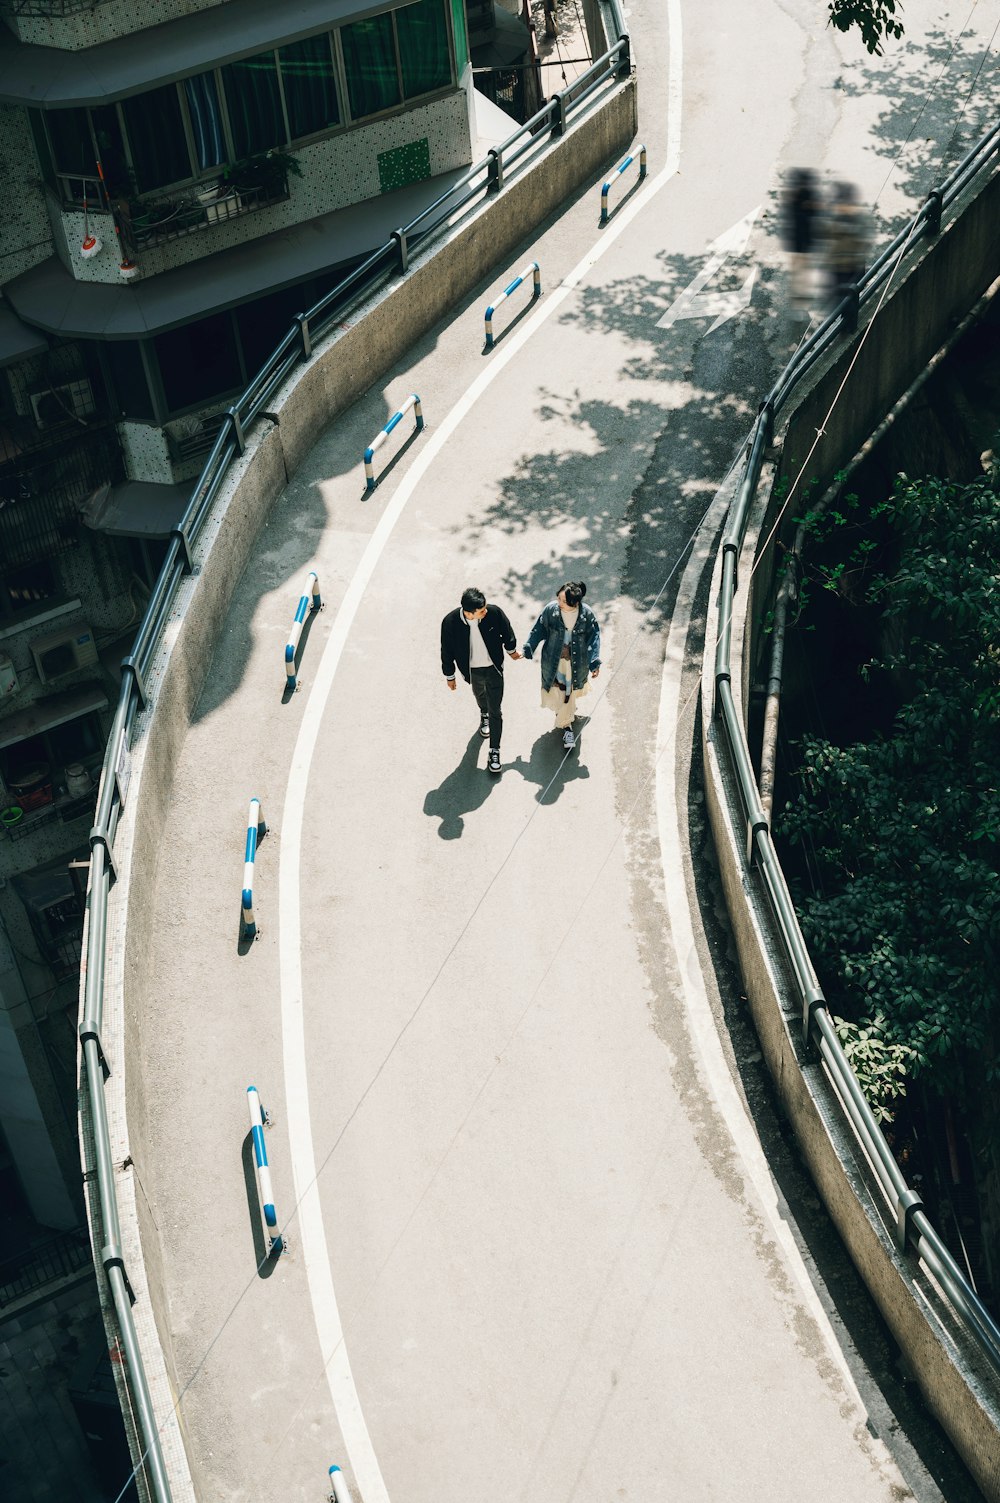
pixel 264 176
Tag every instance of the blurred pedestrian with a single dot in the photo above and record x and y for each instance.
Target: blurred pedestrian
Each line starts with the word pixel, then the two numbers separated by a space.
pixel 846 236
pixel 570 639
pixel 473 640
pixel 801 217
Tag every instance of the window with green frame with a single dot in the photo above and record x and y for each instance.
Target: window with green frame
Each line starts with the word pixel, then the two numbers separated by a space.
pixel 398 55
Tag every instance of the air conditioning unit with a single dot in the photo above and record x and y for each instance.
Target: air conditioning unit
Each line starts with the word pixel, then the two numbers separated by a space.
pixel 61 404
pixel 64 652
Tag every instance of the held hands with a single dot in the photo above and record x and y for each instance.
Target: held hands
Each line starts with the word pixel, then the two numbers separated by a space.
pixel 451 684
pixel 595 672
pixel 513 656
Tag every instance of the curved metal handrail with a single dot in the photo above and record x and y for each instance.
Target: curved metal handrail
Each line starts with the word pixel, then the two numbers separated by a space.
pixel 914 1230
pixel 296 347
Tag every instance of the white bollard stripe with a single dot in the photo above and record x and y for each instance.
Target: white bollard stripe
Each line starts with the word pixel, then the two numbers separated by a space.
pixel 617 174
pixel 254 824
pixel 341 1492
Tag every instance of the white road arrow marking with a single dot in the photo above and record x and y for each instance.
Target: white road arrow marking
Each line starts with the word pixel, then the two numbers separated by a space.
pixel 719 305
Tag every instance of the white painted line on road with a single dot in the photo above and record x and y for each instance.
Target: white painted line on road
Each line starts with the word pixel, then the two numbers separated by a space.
pixel 693 303
pixel 312 1236
pixel 696 1004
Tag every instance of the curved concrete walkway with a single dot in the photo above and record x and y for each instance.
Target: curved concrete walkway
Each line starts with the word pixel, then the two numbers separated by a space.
pixel 534 1251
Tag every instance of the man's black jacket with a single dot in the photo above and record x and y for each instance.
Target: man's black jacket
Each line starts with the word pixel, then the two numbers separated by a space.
pixel 497 634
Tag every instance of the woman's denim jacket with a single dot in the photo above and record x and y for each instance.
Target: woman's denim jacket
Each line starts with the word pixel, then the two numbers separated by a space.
pixel 584 646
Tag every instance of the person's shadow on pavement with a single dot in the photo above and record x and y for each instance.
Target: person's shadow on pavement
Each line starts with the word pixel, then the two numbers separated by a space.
pixel 463 790
pixel 550 766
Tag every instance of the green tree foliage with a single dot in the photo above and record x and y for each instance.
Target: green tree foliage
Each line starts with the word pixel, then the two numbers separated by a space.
pixel 874 18
pixel 905 828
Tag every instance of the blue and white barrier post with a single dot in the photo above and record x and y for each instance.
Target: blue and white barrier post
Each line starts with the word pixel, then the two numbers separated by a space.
pixel 412 401
pixel 258 1117
pixel 536 277
pixel 618 172
pixel 256 830
pixel 341 1492
pixel 292 645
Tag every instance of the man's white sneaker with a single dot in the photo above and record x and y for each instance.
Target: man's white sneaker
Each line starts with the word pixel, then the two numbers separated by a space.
pixel 493 760
pixel 569 740
pixel 484 726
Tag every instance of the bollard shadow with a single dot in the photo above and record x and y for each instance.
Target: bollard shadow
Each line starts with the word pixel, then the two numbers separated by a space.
pixel 550 766
pixel 464 790
pixel 244 941
pixel 620 203
pixel 399 455
pixel 264 1259
pixel 509 328
pixel 307 625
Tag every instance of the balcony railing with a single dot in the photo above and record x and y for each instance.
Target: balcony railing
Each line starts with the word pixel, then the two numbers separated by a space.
pixel 149 224
pixel 34 1268
pixel 41 488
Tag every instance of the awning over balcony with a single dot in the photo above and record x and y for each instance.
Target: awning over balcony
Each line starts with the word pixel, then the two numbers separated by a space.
pixel 17 340
pixel 136 509
pixel 52 78
pixel 49 297
pixel 46 714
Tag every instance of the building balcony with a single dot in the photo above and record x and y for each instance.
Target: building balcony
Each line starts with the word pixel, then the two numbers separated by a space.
pixel 151 223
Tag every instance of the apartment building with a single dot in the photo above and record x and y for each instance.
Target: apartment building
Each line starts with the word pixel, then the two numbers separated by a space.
pixel 180 178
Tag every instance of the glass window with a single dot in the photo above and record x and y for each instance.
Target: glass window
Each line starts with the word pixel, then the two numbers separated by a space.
pixel 110 148
pixel 69 135
pixel 370 63
pixel 128 378
pixel 155 130
pixel 254 103
pixel 206 120
pixel 461 34
pixel 310 91
pixel 199 361
pixel 423 47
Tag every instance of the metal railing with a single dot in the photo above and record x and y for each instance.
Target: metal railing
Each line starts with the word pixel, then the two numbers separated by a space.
pixel 35 1268
pixel 477 184
pixel 913 1229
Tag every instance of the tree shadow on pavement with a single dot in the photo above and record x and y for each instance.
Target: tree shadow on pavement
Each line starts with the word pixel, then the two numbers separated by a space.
pixel 943 99
pixel 461 792
pixel 550 767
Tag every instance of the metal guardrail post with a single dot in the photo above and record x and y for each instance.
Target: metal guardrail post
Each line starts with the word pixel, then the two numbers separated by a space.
pixel 494 169
pixel 558 102
pixel 302 319
pixel 236 424
pixel 934 203
pixel 402 249
pixel 624 56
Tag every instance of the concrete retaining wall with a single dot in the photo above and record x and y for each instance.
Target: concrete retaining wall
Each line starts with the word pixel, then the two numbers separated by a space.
pixel 946 278
pixel 341 369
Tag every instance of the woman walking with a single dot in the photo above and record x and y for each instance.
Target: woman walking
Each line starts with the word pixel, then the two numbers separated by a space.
pixel 570 639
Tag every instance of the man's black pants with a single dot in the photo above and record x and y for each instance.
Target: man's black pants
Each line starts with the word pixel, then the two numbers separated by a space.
pixel 487 686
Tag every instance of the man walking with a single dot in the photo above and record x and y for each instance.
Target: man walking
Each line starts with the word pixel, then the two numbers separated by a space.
pixel 473 639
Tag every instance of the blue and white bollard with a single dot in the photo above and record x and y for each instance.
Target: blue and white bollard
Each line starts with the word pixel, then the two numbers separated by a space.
pixel 412 401
pixel 258 1117
pixel 256 830
pixel 292 645
pixel 536 278
pixel 618 172
pixel 341 1492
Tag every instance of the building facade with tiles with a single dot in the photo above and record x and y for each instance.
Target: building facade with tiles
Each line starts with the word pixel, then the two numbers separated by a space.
pixel 180 179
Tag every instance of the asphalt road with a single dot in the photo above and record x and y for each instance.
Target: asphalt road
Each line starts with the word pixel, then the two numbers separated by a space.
pixel 547 1238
